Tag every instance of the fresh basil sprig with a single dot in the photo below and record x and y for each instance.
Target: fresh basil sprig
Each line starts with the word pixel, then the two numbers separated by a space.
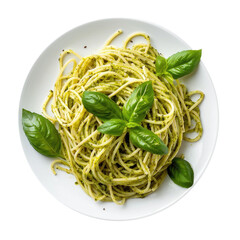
pixel 42 134
pixel 139 103
pixel 101 106
pixel 179 64
pixel 181 172
pixel 147 140
pixel 134 111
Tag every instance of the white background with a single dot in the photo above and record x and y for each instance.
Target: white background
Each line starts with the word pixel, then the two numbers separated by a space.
pixel 210 210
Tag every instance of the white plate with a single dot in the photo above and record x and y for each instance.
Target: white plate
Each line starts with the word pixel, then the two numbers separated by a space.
pixel 41 79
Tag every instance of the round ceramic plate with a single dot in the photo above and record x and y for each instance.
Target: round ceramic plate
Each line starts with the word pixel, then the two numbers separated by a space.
pixel 87 39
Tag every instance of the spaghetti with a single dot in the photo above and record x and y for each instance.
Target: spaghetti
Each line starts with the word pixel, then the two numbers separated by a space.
pixel 110 168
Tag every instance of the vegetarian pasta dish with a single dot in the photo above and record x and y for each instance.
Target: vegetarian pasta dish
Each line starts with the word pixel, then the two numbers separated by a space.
pixel 121 116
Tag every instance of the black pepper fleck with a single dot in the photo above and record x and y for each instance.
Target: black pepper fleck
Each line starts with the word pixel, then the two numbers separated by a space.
pixel 85 46
pixel 131 41
pixel 104 209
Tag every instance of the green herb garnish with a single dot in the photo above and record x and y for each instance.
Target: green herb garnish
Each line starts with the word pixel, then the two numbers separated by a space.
pixel 134 112
pixel 113 127
pixel 147 140
pixel 181 172
pixel 101 106
pixel 178 65
pixel 41 134
pixel 139 103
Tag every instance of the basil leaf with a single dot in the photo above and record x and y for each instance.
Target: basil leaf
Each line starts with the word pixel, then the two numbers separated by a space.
pixel 101 106
pixel 181 172
pixel 41 134
pixel 147 140
pixel 183 63
pixel 139 103
pixel 113 127
pixel 160 65
pixel 132 124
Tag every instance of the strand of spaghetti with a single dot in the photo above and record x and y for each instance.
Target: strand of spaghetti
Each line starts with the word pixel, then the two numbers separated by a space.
pixel 113 37
pixel 135 35
pixel 85 140
pixel 198 101
pixel 44 111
